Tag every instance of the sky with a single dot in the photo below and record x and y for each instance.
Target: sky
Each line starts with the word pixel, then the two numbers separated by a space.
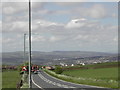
pixel 61 26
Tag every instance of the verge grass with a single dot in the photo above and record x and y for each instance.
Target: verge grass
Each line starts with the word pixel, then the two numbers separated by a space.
pixel 10 79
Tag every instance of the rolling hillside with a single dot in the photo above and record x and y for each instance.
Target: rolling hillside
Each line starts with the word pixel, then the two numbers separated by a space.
pixel 42 57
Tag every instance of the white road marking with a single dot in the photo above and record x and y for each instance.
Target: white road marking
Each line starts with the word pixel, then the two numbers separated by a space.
pixel 36 84
pixel 54 83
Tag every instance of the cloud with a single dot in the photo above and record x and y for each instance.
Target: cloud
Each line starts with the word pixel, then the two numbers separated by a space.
pixel 112 0
pixel 114 15
pixel 81 37
pixel 10 8
pixel 97 11
pixel 16 26
pixel 94 11
pixel 91 33
pixel 11 44
pixel 61 1
pixel 44 26
pixel 81 23
pixel 44 23
pixel 0 39
pixel 115 39
pixel 0 26
pixel 54 39
pixel 7 40
pixel 37 5
pixel 76 23
pixel 38 38
pixel 20 25
pixel 83 30
pixel 68 3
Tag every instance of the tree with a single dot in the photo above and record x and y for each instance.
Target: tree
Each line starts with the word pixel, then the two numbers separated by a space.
pixel 58 70
pixel 24 64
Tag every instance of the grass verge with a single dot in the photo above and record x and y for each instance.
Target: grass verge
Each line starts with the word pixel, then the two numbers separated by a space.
pixel 25 80
pixel 10 79
pixel 85 80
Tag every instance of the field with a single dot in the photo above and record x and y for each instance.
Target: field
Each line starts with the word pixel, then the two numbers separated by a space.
pixel 103 75
pixel 10 79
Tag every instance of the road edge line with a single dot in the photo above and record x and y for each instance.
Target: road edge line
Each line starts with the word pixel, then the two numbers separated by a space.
pixel 36 84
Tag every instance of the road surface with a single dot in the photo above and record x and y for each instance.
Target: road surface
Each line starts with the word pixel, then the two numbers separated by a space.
pixel 43 81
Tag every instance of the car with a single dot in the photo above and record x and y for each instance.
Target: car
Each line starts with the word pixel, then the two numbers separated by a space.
pixel 35 72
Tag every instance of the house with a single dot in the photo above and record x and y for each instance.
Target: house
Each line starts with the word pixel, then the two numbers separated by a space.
pixel 49 67
pixel 82 64
pixel 66 65
pixel 72 64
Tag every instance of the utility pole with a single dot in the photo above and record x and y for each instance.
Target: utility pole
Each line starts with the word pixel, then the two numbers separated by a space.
pixel 30 82
pixel 24 46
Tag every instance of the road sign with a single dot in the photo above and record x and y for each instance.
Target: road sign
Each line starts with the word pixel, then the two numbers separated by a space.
pixel 24 68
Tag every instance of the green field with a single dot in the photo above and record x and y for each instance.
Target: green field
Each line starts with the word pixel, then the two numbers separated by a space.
pixel 101 73
pixel 10 79
pixel 104 74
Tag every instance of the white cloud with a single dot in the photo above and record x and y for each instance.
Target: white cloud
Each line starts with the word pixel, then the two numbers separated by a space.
pixel 0 40
pixel 94 11
pixel 97 11
pixel 54 39
pixel 44 23
pixel 74 32
pixel 91 33
pixel 83 37
pixel 14 7
pixel 0 26
pixel 37 5
pixel 7 40
pixel 37 38
pixel 115 15
pixel 68 3
pixel 16 26
pixel 76 23
pixel 10 8
pixel 82 22
pixel 61 1
pixel 115 39
pixel 21 25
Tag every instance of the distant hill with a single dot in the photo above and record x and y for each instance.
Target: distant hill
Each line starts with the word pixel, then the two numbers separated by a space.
pixel 38 56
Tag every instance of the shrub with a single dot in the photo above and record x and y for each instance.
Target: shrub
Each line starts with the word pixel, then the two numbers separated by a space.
pixel 58 70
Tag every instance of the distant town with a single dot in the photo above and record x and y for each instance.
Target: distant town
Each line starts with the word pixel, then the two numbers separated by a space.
pixel 63 58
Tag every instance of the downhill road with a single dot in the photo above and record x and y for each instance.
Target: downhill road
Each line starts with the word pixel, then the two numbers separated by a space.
pixel 44 81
